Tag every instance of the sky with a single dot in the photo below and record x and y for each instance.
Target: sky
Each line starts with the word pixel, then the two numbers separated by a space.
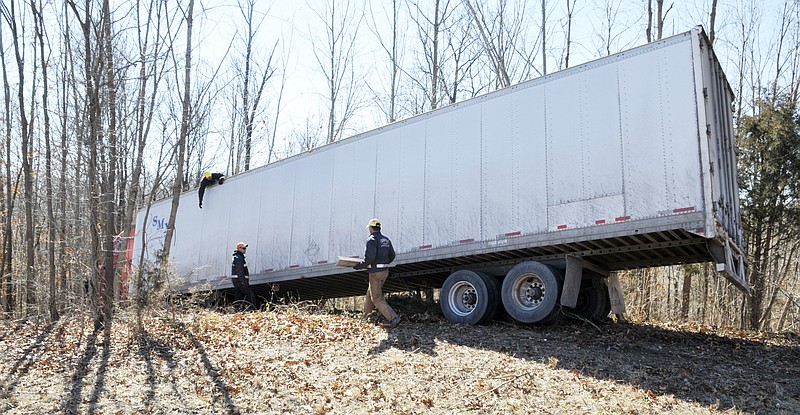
pixel 293 27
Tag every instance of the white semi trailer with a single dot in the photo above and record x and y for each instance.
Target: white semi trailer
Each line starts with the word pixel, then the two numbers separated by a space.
pixel 524 198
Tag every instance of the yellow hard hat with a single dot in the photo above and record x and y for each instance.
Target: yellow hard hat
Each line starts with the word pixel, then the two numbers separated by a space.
pixel 207 174
pixel 374 223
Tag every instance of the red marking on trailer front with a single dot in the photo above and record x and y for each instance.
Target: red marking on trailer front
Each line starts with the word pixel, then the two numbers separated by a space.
pixel 683 209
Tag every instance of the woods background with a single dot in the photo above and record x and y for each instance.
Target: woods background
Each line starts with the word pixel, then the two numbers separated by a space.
pixel 109 106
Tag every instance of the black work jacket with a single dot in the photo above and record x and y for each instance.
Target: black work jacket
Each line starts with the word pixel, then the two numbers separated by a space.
pixel 239 265
pixel 206 182
pixel 379 253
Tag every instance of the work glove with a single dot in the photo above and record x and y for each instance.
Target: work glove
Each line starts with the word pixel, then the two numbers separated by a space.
pixel 201 205
pixel 360 265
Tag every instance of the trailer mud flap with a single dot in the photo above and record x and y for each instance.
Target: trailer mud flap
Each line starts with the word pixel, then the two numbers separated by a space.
pixel 573 276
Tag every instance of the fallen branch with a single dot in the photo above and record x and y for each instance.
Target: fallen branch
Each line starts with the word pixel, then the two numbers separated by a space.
pixel 503 384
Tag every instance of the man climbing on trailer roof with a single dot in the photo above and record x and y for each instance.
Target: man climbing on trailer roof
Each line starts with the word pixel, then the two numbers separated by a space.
pixel 209 179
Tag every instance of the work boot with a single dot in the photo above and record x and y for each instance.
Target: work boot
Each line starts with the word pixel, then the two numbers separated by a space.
pixel 373 317
pixel 395 321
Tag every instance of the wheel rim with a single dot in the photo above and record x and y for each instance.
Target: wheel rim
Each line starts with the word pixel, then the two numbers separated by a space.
pixel 463 298
pixel 529 291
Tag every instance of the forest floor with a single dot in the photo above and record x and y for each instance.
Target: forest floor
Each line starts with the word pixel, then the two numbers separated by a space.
pixel 295 360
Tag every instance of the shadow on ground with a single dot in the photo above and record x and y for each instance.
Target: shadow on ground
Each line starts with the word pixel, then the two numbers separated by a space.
pixel 753 375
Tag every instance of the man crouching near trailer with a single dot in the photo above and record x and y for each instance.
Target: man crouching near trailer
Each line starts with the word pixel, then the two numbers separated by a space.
pixel 377 257
pixel 243 297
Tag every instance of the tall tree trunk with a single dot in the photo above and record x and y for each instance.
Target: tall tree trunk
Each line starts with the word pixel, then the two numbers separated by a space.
pixel 395 65
pixel 180 148
pixel 711 25
pixel 544 33
pixel 686 292
pixel 27 171
pixel 570 7
pixel 649 30
pixel 659 19
pixel 48 174
pixel 110 228
pixel 62 188
pixel 6 284
pixel 92 142
pixel 435 58
pixel 248 122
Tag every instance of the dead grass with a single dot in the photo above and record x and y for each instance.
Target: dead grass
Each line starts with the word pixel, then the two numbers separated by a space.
pixel 299 360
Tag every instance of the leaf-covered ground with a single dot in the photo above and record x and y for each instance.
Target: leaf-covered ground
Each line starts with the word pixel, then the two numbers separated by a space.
pixel 298 362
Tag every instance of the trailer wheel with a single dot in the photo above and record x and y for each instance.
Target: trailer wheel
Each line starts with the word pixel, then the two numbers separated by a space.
pixel 531 291
pixel 593 301
pixel 606 309
pixel 469 297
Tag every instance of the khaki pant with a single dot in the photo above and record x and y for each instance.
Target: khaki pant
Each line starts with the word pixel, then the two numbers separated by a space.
pixel 374 298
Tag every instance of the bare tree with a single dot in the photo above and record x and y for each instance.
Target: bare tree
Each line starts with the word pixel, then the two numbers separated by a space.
pixel 51 221
pixel 612 27
pixel 493 43
pixel 26 153
pixel 93 108
pixel 250 103
pixel 649 30
pixel 150 76
pixel 392 48
pixel 6 209
pixel 661 16
pixel 335 59
pixel 180 148
pixel 544 37
pixel 109 182
pixel 430 27
pixel 712 32
pixel 781 61
pixel 460 72
pixel 570 11
pixel 274 134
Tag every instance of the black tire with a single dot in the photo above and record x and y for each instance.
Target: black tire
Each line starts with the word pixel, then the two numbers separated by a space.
pixel 593 302
pixel 606 309
pixel 531 293
pixel 469 297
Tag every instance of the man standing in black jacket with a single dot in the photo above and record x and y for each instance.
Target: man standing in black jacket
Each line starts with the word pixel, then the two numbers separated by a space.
pixel 242 294
pixel 378 255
